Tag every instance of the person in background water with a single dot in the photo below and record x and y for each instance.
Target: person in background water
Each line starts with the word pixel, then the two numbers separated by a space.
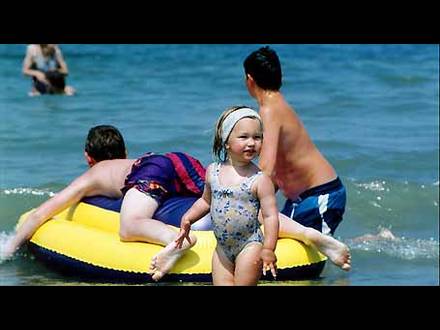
pixel 46 65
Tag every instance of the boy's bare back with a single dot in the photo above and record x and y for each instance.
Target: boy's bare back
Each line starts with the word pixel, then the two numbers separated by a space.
pixel 290 156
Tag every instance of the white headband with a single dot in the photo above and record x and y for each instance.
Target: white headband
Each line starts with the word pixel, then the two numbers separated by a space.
pixel 232 119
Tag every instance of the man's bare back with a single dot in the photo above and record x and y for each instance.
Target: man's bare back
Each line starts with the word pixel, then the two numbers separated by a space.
pixel 107 177
pixel 297 164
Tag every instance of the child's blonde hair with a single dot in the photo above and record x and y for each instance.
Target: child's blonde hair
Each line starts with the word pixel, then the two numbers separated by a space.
pixel 218 147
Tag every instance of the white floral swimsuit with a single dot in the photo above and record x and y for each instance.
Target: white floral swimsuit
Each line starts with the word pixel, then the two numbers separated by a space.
pixel 234 212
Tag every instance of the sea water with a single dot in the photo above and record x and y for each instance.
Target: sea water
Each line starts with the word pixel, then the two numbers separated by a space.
pixel 372 110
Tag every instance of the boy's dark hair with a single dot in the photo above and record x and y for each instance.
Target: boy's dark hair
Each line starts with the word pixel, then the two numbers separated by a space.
pixel 105 142
pixel 56 80
pixel 264 66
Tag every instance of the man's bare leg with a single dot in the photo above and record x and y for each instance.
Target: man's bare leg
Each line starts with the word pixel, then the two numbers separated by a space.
pixel 137 225
pixel 163 261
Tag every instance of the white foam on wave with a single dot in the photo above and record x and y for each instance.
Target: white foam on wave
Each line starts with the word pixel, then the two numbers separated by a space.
pixel 4 238
pixel 27 191
pixel 373 186
pixel 375 204
pixel 400 247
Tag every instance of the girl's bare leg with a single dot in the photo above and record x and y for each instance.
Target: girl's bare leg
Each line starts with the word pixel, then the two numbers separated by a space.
pixel 248 265
pixel 222 269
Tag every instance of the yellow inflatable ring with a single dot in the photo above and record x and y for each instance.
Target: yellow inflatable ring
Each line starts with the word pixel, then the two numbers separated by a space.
pixel 83 241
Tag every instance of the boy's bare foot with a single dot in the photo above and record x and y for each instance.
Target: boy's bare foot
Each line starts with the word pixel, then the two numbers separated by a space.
pixel 385 233
pixel 335 250
pixel 162 262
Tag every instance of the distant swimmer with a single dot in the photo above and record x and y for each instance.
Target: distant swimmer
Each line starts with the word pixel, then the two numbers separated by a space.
pixel 46 65
pixel 383 234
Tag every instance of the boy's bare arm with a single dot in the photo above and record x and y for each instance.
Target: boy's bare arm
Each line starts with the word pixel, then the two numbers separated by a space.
pixel 70 195
pixel 269 149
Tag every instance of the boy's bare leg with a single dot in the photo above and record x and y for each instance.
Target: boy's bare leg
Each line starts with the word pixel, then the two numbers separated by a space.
pixel 137 225
pixel 335 250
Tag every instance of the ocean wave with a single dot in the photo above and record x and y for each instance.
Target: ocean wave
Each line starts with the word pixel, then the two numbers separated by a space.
pixel 4 238
pixel 380 185
pixel 27 191
pixel 373 186
pixel 385 242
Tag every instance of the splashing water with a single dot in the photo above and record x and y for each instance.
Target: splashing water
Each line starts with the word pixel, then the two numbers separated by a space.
pixel 400 247
pixel 373 186
pixel 27 191
pixel 4 238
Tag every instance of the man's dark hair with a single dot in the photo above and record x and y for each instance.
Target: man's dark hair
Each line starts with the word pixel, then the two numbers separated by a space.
pixel 105 142
pixel 264 66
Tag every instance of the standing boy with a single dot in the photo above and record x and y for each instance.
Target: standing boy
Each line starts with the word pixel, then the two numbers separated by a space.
pixel 315 195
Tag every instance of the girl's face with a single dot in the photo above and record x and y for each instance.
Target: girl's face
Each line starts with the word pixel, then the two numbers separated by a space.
pixel 47 49
pixel 244 143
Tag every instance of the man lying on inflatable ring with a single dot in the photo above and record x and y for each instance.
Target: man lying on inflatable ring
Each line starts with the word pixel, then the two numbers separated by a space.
pixel 144 183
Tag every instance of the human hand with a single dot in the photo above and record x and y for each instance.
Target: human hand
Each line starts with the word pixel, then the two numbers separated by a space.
pixel 185 227
pixel 269 261
pixel 41 77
